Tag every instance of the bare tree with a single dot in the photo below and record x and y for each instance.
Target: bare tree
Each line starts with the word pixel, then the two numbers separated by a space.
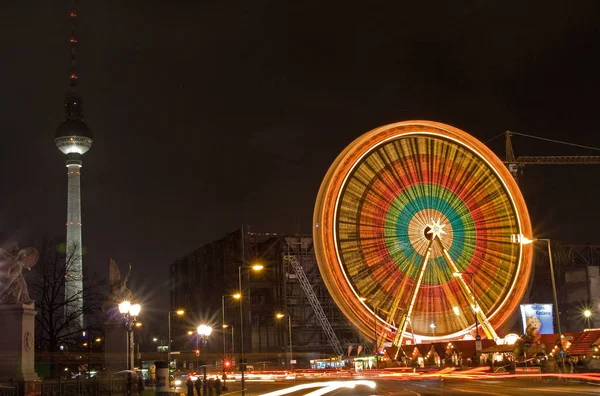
pixel 59 334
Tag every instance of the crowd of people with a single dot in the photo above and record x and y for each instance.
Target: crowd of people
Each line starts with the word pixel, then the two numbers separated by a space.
pixel 210 386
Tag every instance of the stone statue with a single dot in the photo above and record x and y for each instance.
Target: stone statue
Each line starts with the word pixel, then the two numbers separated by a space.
pixel 13 288
pixel 118 287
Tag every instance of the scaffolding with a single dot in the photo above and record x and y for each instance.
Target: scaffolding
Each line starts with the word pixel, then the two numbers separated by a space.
pixel 316 305
pixel 309 301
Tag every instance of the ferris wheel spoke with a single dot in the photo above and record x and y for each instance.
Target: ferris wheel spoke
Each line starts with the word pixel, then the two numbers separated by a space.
pixel 406 317
pixel 487 327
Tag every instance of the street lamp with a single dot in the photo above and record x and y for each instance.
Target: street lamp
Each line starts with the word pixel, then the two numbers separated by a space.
pixel 475 306
pixel 523 240
pixel 203 332
pixel 223 327
pixel 281 316
pixel 432 327
pixel 160 345
pixel 587 313
pixel 255 267
pixel 130 313
pixel 178 312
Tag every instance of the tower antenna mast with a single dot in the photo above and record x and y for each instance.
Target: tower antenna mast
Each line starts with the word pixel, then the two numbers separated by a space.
pixel 73 41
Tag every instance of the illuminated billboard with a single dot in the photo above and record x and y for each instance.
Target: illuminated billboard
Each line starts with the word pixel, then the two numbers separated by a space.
pixel 538 315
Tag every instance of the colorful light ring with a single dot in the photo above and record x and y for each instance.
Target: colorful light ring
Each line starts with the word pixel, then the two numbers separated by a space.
pixel 371 216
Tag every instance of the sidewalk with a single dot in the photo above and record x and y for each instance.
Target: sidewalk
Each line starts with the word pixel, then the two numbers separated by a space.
pixel 233 388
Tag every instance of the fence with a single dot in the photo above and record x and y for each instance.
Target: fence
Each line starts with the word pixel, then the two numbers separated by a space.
pixel 8 391
pixel 105 386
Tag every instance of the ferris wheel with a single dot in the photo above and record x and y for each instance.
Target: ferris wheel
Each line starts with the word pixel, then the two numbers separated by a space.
pixel 413 229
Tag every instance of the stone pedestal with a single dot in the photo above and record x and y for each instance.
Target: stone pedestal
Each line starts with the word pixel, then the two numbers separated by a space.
pixel 115 346
pixel 17 347
pixel 17 342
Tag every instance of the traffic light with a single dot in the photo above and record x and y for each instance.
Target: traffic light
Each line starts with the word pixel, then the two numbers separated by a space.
pixel 197 352
pixel 227 364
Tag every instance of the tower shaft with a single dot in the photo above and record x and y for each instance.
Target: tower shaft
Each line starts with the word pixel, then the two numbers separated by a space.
pixel 74 253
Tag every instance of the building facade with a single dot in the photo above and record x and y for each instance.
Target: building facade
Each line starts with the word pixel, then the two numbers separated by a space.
pixel 204 281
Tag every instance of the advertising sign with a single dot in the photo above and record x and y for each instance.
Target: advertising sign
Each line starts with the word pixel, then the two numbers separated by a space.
pixel 537 316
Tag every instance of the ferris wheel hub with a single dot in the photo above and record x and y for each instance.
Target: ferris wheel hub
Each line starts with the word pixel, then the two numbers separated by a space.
pixel 434 229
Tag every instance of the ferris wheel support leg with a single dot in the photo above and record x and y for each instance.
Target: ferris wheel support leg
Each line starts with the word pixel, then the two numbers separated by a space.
pixel 485 323
pixel 406 317
pixel 391 317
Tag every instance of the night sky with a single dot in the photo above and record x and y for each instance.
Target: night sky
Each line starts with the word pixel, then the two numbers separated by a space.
pixel 207 115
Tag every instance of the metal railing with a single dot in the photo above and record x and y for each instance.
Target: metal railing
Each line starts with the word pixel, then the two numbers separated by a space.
pixel 8 390
pixel 113 385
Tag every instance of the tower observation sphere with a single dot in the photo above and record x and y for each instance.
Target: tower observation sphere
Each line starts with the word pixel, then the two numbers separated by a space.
pixel 74 138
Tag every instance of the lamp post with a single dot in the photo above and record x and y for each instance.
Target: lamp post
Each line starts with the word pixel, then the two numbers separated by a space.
pixel 136 342
pixel 191 333
pixel 178 312
pixel 281 316
pixel 256 268
pixel 204 332
pixel 432 327
pixel 130 313
pixel 160 345
pixel 223 325
pixel 523 240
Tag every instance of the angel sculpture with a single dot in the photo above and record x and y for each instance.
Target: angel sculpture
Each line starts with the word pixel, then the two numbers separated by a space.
pixel 118 287
pixel 13 288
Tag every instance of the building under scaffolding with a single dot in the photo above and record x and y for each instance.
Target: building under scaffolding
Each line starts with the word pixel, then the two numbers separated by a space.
pixel 203 282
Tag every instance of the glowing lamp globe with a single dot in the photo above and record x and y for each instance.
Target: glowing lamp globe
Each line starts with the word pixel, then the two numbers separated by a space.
pixel 124 307
pixel 135 309
pixel 204 330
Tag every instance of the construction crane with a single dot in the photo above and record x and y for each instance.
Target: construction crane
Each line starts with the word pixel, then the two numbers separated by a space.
pixel 316 305
pixel 514 164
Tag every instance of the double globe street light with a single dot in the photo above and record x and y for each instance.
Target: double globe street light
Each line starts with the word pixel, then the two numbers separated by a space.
pixel 204 332
pixel 130 313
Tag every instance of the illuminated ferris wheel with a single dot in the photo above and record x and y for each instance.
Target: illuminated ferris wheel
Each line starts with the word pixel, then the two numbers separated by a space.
pixel 413 230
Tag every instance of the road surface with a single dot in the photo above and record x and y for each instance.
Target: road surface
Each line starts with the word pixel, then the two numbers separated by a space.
pixel 496 387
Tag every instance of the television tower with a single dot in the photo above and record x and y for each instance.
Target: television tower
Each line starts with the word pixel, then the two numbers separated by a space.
pixel 73 138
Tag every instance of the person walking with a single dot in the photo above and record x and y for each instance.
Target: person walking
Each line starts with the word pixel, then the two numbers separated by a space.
pixel 198 386
pixel 218 386
pixel 190 387
pixel 210 384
